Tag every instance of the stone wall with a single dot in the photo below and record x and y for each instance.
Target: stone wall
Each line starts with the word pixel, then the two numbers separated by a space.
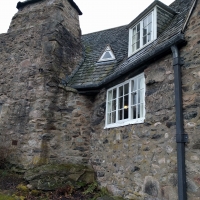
pixel 41 120
pixel 139 161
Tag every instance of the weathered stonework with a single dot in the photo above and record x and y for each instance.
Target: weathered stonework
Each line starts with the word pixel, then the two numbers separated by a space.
pixel 139 161
pixel 42 120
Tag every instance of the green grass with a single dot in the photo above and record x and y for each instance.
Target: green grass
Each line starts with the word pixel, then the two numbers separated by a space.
pixel 6 197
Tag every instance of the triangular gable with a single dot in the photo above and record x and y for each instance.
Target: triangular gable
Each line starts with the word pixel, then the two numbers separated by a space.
pixel 107 55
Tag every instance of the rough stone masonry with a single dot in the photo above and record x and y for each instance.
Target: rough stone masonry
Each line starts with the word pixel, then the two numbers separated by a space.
pixel 43 122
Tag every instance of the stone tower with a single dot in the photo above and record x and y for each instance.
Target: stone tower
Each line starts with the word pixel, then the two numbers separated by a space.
pixel 37 112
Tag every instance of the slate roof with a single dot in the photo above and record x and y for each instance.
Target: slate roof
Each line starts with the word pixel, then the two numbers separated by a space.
pixel 27 2
pixel 89 75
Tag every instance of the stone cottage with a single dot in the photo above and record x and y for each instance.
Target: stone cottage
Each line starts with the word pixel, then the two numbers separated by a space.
pixel 124 101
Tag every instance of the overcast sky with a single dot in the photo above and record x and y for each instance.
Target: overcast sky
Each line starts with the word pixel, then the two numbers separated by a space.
pixel 97 14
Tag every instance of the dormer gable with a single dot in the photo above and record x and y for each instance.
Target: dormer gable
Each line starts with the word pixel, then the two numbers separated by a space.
pixel 147 26
pixel 107 55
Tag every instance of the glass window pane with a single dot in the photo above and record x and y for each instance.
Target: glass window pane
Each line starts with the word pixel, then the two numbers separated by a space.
pixel 126 88
pixel 133 85
pixel 133 98
pixel 121 105
pixel 150 18
pixel 141 110
pixel 149 27
pixel 138 36
pixel 120 115
pixel 138 27
pixel 109 107
pixel 109 95
pixel 145 22
pixel 106 55
pixel 149 37
pixel 133 112
pixel 125 101
pixel 138 44
pixel 109 118
pixel 144 40
pixel 125 113
pixel 134 39
pixel 113 117
pixel 144 31
pixel 113 105
pixel 133 47
pixel 139 97
pixel 140 82
pixel 134 31
pixel 121 91
pixel 114 93
pixel 138 111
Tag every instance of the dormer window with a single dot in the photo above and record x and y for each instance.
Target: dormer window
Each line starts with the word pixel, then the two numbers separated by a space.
pixel 107 55
pixel 142 33
pixel 148 26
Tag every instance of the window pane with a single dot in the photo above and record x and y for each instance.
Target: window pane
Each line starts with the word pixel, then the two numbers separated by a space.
pixel 121 91
pixel 109 95
pixel 138 44
pixel 149 27
pixel 113 117
pixel 144 40
pixel 133 47
pixel 141 96
pixel 114 93
pixel 134 39
pixel 133 112
pixel 126 102
pixel 145 22
pixel 150 18
pixel 138 27
pixel 120 102
pixel 149 37
pixel 141 110
pixel 133 98
pixel 109 107
pixel 109 118
pixel 138 36
pixel 126 88
pixel 106 55
pixel 125 113
pixel 144 31
pixel 133 85
pixel 138 111
pixel 140 82
pixel 113 105
pixel 134 31
pixel 120 115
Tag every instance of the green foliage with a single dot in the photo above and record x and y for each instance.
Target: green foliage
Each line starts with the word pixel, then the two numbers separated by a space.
pixel 6 197
pixel 91 188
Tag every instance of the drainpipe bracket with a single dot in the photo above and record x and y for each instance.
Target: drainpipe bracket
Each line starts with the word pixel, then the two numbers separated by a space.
pixel 176 61
pixel 181 138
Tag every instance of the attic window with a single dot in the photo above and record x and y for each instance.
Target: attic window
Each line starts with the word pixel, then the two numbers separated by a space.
pixel 107 55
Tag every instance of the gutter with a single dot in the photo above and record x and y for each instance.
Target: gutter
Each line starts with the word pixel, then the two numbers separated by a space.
pixel 181 138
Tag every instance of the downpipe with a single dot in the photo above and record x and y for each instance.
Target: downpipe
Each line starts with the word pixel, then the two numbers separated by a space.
pixel 181 138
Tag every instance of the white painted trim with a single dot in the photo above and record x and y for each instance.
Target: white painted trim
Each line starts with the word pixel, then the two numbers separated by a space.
pixel 107 49
pixel 154 32
pixel 124 122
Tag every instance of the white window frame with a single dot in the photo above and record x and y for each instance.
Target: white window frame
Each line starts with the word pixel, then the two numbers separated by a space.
pixel 153 36
pixel 130 105
pixel 107 49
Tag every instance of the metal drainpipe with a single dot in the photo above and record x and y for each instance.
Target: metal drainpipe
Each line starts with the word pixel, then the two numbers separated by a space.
pixel 181 138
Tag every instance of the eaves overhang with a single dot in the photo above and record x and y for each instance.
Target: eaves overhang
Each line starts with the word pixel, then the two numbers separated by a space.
pixel 148 9
pixel 27 2
pixel 128 66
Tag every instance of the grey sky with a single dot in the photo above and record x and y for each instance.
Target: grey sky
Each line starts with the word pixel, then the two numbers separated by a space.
pixel 97 14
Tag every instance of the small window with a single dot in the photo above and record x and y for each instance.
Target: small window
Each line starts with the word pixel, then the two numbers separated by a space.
pixel 126 103
pixel 142 33
pixel 107 55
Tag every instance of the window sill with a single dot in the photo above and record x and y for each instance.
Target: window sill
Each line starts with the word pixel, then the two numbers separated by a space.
pixel 124 123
